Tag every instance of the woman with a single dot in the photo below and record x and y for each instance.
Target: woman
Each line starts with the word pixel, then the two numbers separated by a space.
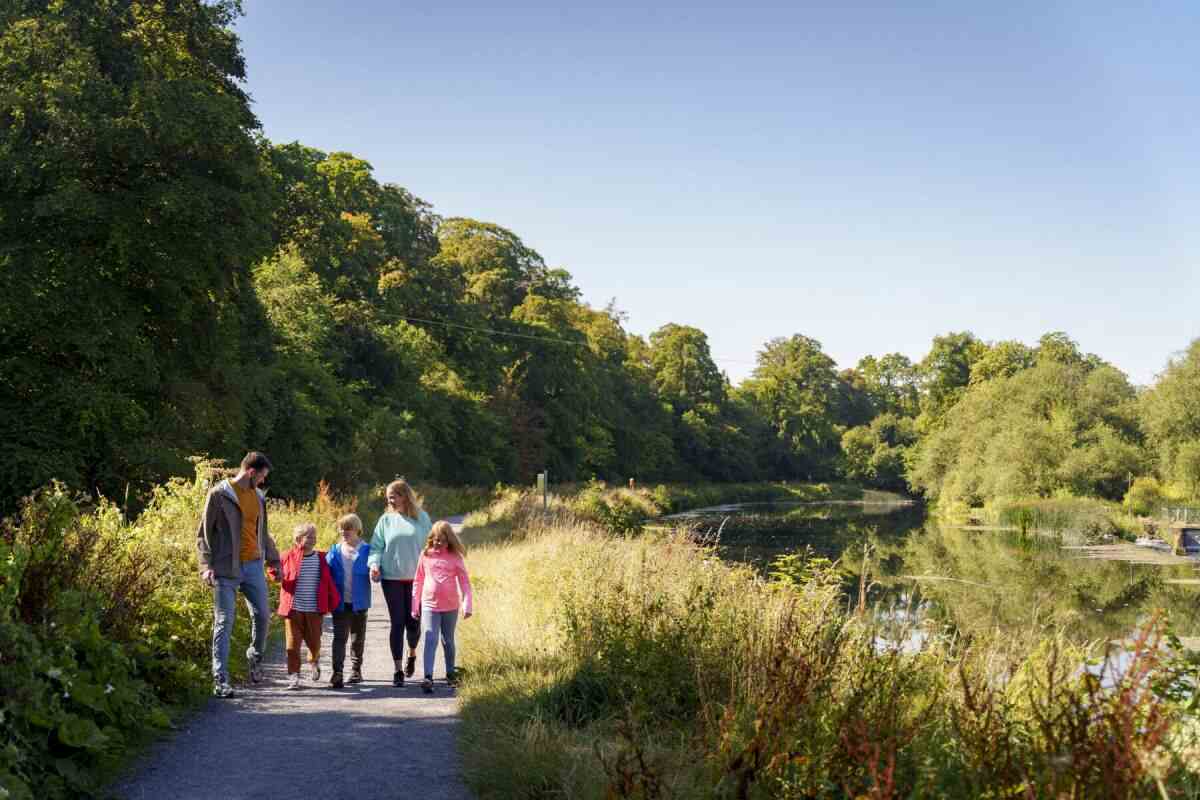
pixel 395 552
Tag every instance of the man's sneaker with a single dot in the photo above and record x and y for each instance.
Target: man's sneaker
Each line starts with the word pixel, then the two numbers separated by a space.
pixel 315 672
pixel 451 679
pixel 355 675
pixel 293 682
pixel 336 680
pixel 256 668
pixel 427 686
pixel 222 690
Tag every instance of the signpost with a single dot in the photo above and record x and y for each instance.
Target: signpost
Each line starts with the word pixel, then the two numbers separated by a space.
pixel 543 485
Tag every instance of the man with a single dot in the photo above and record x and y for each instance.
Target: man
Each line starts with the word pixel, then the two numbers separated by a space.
pixel 233 544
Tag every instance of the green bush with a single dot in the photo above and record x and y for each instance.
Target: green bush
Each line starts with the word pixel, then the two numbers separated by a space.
pixel 105 632
pixel 640 652
pixel 1145 497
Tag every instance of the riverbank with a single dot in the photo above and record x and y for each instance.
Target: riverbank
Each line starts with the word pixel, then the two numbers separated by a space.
pixel 616 666
pixel 627 510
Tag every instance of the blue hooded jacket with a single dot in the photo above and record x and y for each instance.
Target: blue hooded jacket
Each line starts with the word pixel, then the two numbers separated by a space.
pixel 361 586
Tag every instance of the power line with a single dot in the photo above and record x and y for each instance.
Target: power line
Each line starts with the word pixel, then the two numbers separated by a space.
pixel 486 330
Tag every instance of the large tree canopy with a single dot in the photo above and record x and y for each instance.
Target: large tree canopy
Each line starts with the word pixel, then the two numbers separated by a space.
pixel 133 204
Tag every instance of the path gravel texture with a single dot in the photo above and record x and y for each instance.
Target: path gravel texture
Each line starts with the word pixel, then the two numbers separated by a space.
pixel 367 741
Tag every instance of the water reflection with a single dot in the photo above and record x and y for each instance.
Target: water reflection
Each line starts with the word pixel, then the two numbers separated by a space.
pixel 919 573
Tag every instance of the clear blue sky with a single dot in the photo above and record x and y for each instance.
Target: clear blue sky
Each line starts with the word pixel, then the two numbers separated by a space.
pixel 867 174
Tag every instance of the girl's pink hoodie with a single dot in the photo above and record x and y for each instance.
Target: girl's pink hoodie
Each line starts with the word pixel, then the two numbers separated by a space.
pixel 440 573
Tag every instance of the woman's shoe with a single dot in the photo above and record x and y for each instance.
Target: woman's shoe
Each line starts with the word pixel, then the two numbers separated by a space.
pixel 398 678
pixel 355 676
pixel 410 666
pixel 451 679
pixel 293 683
pixel 336 680
pixel 427 686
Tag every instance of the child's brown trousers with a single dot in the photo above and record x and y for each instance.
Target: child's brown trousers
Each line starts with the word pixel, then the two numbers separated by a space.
pixel 302 626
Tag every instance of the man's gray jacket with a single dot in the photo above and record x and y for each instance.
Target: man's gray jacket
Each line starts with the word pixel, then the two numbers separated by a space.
pixel 219 536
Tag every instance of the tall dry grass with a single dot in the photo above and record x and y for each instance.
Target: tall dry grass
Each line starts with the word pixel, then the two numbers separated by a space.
pixel 602 665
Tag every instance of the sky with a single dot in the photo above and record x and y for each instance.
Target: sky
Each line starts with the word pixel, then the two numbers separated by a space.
pixel 869 175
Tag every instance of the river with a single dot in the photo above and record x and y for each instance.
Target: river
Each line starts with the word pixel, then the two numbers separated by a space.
pixel 956 579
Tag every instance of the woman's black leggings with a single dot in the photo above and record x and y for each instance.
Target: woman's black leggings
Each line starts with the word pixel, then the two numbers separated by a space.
pixel 398 595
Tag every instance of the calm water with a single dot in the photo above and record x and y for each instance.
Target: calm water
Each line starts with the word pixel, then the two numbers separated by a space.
pixel 964 580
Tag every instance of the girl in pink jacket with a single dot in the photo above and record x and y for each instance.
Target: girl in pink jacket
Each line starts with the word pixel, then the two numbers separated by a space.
pixel 441 574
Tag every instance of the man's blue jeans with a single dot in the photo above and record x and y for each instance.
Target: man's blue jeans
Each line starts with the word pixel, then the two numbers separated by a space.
pixel 253 584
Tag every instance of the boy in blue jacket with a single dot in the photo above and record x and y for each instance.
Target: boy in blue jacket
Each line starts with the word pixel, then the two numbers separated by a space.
pixel 352 576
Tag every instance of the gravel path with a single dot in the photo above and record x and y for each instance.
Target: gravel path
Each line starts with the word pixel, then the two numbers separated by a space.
pixel 372 740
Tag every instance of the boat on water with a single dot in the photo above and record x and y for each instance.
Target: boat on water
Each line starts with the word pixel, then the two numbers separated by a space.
pixel 1183 539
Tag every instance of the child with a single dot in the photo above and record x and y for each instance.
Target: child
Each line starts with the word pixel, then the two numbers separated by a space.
pixel 348 564
pixel 306 594
pixel 441 573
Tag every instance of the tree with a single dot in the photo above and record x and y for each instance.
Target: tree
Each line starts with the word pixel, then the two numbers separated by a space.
pixel 793 388
pixel 892 382
pixel 685 374
pixel 133 202
pixel 1170 411
pixel 1056 347
pixel 1002 360
pixel 945 373
pixel 874 454
pixel 1053 427
pixel 1187 466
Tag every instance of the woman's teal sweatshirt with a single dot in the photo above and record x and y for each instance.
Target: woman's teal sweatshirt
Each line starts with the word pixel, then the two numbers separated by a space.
pixel 397 544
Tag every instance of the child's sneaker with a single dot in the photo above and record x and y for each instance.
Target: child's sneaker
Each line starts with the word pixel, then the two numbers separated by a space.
pixel 255 668
pixel 223 690
pixel 293 682
pixel 315 672
pixel 336 680
pixel 427 686
pixel 355 675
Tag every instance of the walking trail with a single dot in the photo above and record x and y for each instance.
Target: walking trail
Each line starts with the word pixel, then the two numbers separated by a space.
pixel 371 740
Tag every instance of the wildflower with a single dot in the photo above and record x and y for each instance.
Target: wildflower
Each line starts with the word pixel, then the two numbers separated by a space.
pixel 66 695
pixel 108 689
pixel 175 636
pixel 55 673
pixel 53 624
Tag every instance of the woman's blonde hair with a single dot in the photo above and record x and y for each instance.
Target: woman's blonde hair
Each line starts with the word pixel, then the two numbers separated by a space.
pixel 349 521
pixel 302 529
pixel 409 504
pixel 453 543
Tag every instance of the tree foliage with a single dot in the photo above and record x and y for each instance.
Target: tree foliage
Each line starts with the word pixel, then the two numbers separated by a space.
pixel 171 284
pixel 1054 427
pixel 132 204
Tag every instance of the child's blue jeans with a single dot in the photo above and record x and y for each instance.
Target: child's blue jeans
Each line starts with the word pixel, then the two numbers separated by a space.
pixel 435 622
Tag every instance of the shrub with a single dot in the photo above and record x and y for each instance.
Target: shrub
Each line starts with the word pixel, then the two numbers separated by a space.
pixel 1145 497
